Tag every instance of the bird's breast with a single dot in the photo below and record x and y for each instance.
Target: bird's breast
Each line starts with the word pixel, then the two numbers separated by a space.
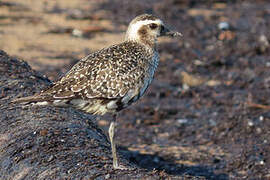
pixel 147 79
pixel 150 73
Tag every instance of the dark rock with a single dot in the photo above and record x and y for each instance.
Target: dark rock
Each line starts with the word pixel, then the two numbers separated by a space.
pixel 48 142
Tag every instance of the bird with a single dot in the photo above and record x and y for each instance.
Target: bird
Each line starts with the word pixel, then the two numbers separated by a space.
pixel 110 79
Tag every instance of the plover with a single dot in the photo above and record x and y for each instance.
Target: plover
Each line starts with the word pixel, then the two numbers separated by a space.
pixel 112 78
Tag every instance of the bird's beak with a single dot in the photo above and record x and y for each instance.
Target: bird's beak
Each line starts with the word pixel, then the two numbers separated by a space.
pixel 167 32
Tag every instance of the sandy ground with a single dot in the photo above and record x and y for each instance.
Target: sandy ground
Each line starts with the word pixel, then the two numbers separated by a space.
pixel 25 33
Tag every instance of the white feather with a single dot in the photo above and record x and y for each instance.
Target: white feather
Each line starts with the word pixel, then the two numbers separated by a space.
pixel 132 32
pixel 43 103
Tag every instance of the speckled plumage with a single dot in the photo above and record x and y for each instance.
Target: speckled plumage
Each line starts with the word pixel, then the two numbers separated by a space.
pixel 105 81
pixel 112 78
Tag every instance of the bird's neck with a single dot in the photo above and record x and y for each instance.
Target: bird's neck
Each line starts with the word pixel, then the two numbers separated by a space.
pixel 150 42
pixel 146 41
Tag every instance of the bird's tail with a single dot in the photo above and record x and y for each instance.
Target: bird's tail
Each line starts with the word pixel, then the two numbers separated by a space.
pixel 28 99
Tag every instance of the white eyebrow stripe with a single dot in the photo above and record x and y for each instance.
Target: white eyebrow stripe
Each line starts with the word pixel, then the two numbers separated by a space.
pixel 133 29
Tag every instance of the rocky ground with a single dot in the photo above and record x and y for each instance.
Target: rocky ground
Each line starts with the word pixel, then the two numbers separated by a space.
pixel 207 113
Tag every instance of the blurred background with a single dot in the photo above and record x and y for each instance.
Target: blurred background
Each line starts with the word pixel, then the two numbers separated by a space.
pixel 207 112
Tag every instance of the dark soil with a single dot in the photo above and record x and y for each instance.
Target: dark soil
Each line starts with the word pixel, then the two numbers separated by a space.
pixel 217 132
pixel 217 129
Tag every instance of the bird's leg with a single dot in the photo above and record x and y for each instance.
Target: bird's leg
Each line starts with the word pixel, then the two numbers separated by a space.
pixel 111 135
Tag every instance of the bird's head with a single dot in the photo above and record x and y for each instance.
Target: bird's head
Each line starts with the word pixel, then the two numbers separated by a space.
pixel 147 28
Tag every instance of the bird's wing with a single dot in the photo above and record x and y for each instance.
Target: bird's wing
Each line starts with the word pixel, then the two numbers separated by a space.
pixel 108 73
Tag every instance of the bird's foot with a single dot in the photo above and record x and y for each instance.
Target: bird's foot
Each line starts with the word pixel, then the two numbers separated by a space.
pixel 120 167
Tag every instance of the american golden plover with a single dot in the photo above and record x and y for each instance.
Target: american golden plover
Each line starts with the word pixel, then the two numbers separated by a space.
pixel 112 78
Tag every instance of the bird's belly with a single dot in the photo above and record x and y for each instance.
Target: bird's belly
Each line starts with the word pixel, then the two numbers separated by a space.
pixel 93 106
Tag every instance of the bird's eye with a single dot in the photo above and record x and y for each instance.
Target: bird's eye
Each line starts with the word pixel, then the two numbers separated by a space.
pixel 153 26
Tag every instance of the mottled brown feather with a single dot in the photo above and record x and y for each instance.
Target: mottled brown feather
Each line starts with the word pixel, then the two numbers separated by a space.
pixel 108 73
pixel 110 79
